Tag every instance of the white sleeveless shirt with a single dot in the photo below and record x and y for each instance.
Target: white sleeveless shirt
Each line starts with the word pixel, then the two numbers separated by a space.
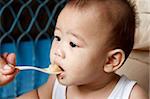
pixel 122 89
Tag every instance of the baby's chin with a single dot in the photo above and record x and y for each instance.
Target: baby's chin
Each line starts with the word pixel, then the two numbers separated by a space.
pixel 68 81
pixel 63 82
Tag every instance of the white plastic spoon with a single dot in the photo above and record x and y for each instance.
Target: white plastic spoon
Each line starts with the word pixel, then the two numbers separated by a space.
pixel 52 69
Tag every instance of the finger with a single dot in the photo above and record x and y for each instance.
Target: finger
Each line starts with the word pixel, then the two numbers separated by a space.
pixel 6 70
pixel 4 55
pixel 2 62
pixel 8 78
pixel 11 59
pixel 11 76
pixel 15 72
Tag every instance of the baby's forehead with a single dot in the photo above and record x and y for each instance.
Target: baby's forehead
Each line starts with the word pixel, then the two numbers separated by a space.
pixel 100 16
pixel 96 16
pixel 108 10
pixel 99 11
pixel 85 22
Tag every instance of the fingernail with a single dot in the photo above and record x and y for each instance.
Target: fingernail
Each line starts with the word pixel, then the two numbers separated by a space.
pixel 7 67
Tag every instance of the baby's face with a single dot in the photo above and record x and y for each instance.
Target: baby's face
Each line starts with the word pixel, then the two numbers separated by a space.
pixel 79 46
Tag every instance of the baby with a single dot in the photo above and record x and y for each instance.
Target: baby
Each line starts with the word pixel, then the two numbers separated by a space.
pixel 92 39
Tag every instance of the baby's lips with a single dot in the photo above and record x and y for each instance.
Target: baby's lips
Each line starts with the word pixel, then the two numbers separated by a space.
pixel 55 69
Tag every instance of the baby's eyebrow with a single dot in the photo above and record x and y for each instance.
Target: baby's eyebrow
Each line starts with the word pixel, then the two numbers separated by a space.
pixel 56 28
pixel 77 36
pixel 73 34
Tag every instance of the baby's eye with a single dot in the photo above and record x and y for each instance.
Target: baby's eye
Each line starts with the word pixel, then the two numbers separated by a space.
pixel 57 38
pixel 73 44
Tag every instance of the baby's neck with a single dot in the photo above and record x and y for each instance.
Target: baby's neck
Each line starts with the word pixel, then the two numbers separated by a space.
pixel 96 89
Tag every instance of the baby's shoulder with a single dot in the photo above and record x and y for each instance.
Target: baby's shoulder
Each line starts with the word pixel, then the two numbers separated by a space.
pixel 138 93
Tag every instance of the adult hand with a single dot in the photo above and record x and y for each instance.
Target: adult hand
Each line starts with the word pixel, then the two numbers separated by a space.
pixel 7 68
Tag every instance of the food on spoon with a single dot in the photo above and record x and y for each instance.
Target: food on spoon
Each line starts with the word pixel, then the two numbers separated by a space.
pixel 55 69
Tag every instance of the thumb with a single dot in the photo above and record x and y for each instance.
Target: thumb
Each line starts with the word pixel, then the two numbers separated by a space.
pixel 11 59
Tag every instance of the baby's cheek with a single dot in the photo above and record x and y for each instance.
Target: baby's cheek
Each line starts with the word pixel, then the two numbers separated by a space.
pixel 51 55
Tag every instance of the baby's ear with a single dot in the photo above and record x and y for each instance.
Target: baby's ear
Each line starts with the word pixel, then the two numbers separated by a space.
pixel 114 60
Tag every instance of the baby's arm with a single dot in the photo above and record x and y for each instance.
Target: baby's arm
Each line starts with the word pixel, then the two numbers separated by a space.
pixel 43 92
pixel 138 93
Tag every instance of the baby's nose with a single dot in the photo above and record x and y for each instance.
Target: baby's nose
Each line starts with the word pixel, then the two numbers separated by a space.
pixel 59 53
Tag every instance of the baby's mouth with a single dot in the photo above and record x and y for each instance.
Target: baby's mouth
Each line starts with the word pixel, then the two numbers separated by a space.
pixel 61 68
pixel 56 69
